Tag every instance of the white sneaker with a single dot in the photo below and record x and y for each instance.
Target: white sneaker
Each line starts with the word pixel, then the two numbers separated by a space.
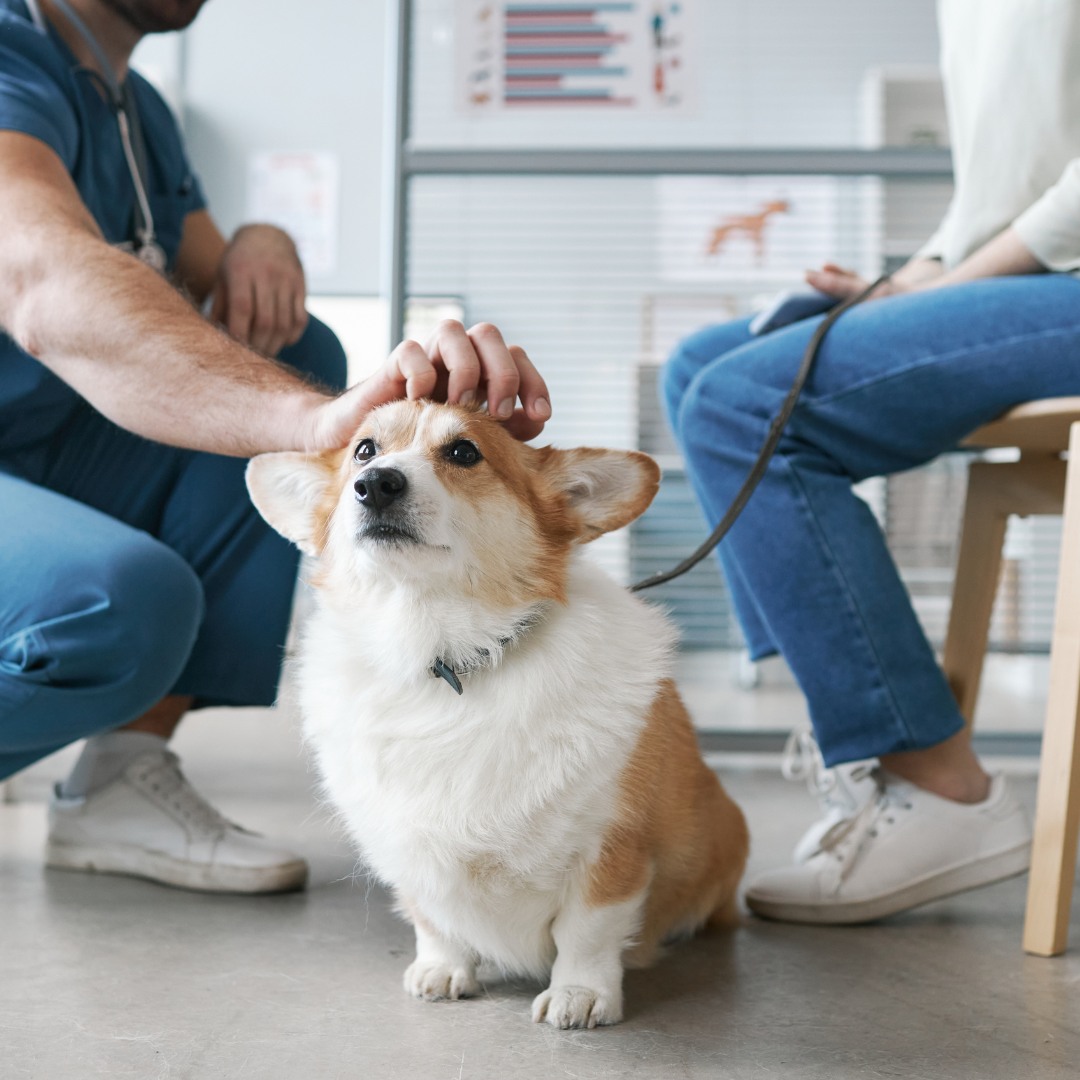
pixel 842 790
pixel 904 848
pixel 150 822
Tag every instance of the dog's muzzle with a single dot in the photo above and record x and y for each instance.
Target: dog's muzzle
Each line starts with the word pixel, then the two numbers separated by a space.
pixel 385 516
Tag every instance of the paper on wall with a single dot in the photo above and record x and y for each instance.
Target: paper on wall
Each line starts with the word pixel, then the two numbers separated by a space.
pixel 298 192
pixel 519 56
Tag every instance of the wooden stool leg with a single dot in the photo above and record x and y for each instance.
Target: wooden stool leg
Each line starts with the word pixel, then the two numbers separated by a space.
pixel 978 564
pixel 1057 816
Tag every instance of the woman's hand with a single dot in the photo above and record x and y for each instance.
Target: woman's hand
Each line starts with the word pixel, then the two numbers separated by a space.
pixel 914 275
pixel 456 365
pixel 842 283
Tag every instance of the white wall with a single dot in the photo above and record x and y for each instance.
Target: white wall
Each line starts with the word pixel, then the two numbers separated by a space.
pixel 267 75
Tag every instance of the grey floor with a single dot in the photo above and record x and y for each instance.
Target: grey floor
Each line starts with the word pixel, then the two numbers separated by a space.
pixel 112 977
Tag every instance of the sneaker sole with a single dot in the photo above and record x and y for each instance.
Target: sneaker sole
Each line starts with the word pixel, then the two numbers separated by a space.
pixel 1000 867
pixel 164 869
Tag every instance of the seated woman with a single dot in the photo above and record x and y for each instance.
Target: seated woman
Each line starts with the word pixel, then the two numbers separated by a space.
pixel 985 316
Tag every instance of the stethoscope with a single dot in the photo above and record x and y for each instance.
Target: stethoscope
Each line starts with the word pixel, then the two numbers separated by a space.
pixel 145 245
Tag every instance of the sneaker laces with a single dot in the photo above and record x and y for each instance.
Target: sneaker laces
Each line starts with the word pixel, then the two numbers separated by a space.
pixel 848 839
pixel 168 782
pixel 802 760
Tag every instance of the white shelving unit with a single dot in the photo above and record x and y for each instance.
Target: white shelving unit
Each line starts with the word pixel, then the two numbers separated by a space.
pixel 904 107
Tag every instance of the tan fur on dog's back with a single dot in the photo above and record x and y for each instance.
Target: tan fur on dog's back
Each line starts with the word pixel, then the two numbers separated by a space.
pixel 678 833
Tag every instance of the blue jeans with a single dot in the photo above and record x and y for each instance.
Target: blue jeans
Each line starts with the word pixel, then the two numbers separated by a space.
pixel 898 381
pixel 130 570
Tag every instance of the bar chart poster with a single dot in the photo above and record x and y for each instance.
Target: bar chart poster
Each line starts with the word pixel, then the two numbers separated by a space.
pixel 617 55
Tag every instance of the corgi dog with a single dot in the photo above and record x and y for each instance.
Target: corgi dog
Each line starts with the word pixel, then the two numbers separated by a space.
pixel 493 717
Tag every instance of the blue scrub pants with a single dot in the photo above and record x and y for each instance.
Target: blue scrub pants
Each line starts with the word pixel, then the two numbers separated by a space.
pixel 898 381
pixel 130 570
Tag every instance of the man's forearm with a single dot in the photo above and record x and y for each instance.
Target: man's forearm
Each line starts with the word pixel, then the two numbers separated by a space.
pixel 130 344
pixel 135 349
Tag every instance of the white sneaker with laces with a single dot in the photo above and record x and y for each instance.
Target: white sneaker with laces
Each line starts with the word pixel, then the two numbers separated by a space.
pixel 841 790
pixel 904 848
pixel 150 822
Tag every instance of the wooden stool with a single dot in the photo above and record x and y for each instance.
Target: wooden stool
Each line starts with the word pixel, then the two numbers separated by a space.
pixel 1041 482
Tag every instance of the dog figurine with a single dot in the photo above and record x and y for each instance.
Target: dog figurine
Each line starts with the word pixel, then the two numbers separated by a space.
pixel 492 716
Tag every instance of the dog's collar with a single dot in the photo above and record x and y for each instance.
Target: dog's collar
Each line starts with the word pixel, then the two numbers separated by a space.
pixel 482 657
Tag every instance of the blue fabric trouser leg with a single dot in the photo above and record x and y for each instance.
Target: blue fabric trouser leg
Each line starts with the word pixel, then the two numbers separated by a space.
pixel 130 570
pixel 695 353
pixel 897 382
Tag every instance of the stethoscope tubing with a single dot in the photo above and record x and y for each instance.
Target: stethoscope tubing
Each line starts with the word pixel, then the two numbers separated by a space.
pixel 121 103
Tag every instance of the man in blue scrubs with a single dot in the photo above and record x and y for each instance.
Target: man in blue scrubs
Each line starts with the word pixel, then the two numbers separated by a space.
pixel 136 580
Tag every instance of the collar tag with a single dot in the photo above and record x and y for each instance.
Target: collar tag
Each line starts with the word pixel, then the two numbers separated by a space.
pixel 444 671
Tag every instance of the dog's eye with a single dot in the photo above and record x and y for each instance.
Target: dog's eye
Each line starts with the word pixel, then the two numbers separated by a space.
pixel 365 449
pixel 463 452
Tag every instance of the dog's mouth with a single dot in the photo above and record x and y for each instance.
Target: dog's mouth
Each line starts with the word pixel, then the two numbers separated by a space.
pixel 387 534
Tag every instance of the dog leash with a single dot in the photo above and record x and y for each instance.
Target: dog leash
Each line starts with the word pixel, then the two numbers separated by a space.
pixel 776 431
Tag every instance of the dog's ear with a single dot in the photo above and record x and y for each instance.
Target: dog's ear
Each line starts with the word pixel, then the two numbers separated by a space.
pixel 606 489
pixel 293 492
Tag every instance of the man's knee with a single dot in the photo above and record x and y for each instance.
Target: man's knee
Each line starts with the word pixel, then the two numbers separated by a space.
pixel 318 353
pixel 116 629
pixel 154 590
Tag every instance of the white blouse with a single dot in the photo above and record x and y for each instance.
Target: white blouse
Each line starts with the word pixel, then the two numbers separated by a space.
pixel 1012 89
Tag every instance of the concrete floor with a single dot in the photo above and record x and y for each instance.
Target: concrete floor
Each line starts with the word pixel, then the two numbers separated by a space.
pixel 112 977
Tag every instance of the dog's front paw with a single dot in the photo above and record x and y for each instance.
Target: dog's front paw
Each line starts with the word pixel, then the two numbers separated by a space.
pixel 435 981
pixel 576 1007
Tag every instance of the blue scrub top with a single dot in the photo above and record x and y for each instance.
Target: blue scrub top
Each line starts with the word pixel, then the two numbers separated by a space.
pixel 44 93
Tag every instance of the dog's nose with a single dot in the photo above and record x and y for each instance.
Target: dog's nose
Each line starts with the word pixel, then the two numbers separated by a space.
pixel 378 488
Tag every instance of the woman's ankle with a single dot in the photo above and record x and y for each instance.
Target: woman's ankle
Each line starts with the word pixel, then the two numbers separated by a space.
pixel 950 770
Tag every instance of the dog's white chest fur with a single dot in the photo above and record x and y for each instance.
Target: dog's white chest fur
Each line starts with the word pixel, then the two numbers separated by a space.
pixel 485 809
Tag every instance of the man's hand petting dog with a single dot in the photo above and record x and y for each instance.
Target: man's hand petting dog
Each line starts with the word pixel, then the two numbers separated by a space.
pixel 456 365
